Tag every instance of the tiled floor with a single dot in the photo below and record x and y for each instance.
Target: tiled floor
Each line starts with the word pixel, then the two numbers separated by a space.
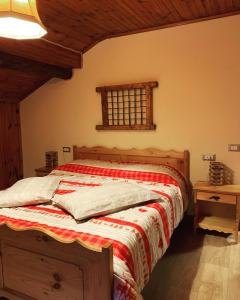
pixel 202 266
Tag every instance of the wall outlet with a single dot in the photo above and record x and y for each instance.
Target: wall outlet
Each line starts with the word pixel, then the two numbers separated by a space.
pixel 234 147
pixel 66 149
pixel 209 157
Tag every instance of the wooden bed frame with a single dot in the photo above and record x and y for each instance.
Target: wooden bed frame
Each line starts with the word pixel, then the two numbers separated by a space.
pixel 36 266
pixel 177 159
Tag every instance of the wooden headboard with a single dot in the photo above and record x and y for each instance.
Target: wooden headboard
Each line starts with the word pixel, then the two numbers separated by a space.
pixel 177 159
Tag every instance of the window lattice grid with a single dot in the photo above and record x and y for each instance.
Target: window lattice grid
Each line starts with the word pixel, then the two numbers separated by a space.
pixel 127 107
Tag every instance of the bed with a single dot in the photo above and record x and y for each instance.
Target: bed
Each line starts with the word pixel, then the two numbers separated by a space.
pixel 46 254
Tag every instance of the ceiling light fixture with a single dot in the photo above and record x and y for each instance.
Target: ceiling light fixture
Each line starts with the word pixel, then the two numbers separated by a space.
pixel 19 20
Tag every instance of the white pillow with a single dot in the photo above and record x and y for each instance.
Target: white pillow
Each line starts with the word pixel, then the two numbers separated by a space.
pixel 102 200
pixel 29 191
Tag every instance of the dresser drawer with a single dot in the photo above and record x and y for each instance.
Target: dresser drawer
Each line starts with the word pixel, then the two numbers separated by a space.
pixel 215 197
pixel 41 277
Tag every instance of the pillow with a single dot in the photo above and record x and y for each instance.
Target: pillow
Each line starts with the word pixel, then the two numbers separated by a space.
pixel 121 165
pixel 132 166
pixel 29 191
pixel 102 200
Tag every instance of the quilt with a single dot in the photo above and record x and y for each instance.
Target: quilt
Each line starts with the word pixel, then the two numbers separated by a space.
pixel 139 235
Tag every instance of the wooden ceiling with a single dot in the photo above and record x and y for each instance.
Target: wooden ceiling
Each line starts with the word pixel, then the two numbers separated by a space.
pixel 74 26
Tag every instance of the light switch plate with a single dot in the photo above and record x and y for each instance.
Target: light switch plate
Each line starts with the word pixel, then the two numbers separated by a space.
pixel 209 157
pixel 234 147
pixel 66 149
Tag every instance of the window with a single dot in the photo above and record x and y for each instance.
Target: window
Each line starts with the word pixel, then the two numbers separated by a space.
pixel 127 107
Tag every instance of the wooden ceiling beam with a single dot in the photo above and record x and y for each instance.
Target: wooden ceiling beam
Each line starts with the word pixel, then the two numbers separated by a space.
pixel 43 51
pixel 14 62
pixel 33 88
pixel 8 100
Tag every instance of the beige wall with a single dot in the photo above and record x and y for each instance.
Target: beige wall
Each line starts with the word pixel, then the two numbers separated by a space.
pixel 196 107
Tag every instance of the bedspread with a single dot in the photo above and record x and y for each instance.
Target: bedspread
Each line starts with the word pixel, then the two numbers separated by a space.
pixel 140 235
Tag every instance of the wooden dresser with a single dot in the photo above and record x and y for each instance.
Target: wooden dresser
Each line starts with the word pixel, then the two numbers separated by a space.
pixel 217 207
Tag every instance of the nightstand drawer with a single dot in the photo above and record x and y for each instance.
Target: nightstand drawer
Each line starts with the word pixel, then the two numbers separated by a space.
pixel 214 197
pixel 44 171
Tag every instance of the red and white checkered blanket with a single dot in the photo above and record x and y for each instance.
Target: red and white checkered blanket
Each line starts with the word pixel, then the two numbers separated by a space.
pixel 139 235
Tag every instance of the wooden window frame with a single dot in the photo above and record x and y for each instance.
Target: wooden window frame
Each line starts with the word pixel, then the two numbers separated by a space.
pixel 107 93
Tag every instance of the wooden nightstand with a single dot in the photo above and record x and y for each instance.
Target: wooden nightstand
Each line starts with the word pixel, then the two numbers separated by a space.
pixel 217 207
pixel 44 171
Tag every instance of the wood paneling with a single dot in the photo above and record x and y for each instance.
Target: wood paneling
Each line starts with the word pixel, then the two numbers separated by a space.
pixel 76 26
pixel 10 146
pixel 16 85
pixel 84 23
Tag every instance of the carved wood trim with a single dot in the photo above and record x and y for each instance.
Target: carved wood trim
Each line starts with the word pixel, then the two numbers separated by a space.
pixel 177 159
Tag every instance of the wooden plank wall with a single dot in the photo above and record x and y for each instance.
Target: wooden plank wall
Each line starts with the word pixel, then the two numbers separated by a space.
pixel 10 144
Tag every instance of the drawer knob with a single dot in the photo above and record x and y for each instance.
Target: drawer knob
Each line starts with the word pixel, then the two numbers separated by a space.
pixel 56 286
pixel 42 238
pixel 216 198
pixel 57 277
